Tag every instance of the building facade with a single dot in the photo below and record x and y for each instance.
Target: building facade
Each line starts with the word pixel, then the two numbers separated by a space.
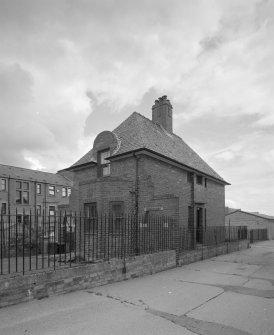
pixel 143 168
pixel 253 220
pixel 24 192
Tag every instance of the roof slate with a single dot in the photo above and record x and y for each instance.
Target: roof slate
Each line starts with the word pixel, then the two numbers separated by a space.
pixel 138 132
pixel 33 175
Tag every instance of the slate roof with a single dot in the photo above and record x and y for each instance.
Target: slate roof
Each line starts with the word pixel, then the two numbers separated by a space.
pixel 33 175
pixel 138 132
pixel 260 215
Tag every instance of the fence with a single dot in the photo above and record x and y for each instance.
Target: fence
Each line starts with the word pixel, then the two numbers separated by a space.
pixel 258 235
pixel 32 242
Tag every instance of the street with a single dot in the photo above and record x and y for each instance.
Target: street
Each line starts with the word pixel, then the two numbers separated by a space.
pixel 229 294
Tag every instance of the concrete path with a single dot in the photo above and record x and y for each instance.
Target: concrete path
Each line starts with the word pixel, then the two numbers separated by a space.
pixel 230 294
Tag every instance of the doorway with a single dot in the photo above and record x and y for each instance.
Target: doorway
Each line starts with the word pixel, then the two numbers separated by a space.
pixel 199 225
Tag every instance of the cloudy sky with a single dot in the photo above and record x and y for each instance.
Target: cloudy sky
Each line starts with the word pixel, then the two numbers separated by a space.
pixel 70 69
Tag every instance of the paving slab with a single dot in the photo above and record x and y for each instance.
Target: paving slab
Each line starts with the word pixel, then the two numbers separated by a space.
pixel 85 314
pixel 160 293
pixel 254 315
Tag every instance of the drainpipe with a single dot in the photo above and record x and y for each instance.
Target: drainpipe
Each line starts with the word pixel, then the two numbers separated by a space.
pixel 136 201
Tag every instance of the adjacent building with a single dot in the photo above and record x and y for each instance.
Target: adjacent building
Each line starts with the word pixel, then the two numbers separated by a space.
pixel 24 191
pixel 142 167
pixel 253 220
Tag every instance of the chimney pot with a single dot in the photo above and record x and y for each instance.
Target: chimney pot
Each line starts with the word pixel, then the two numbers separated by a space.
pixel 162 113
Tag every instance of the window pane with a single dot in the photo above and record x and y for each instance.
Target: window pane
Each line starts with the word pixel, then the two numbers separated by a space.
pixel 38 188
pixel 52 190
pixel 106 170
pixel 3 184
pixel 64 192
pixel 51 210
pixel 18 185
pixel 4 208
pixel 103 156
pixel 25 197
pixel 69 192
pixel 25 186
pixel 18 197
pixel 39 210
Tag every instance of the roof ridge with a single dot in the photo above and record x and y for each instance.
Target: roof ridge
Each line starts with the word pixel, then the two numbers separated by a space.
pixel 19 167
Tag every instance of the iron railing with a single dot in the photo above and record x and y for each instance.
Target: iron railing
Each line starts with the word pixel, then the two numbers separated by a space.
pixel 35 242
pixel 258 235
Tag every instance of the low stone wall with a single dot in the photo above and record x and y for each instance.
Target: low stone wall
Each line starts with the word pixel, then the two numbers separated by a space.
pixel 211 251
pixel 41 284
pixel 38 285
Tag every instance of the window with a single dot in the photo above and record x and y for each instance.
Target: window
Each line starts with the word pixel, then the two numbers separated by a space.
pixel 3 208
pixel 22 193
pixel 90 220
pixel 64 192
pixel 39 210
pixel 103 163
pixel 51 190
pixel 51 210
pixel 189 177
pixel 205 182
pixel 25 219
pixel 3 184
pixel 38 189
pixel 117 211
pixel 199 179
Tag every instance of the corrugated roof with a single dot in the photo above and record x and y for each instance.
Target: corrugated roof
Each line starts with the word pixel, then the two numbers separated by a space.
pixel 33 175
pixel 138 132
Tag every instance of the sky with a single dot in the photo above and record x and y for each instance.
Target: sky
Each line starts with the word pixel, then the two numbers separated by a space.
pixel 71 69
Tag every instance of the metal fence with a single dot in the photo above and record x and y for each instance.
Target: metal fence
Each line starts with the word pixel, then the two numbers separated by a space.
pixel 258 235
pixel 36 242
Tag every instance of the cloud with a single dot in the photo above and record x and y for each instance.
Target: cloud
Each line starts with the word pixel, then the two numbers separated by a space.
pixel 212 58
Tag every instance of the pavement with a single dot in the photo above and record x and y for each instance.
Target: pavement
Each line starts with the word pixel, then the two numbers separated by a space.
pixel 225 295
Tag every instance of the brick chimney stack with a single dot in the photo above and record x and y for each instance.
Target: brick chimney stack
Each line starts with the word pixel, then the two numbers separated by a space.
pixel 162 113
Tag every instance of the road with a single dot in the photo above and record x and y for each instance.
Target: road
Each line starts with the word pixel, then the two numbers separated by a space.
pixel 229 294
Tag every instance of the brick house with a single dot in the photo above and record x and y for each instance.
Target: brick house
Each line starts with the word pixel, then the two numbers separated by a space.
pixel 32 191
pixel 253 220
pixel 142 167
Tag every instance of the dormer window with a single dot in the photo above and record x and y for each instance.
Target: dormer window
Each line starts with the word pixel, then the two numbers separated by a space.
pixel 103 163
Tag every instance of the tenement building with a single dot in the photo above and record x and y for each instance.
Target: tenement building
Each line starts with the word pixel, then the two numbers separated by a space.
pixel 142 167
pixel 24 192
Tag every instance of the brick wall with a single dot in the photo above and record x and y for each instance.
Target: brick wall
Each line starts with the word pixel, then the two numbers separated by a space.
pixel 14 290
pixel 38 285
pixel 162 189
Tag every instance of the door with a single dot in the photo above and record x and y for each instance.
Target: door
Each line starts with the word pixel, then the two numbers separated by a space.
pixel 199 225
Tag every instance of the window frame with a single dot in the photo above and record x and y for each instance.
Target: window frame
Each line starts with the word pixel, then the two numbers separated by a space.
pixel 50 210
pixel 39 210
pixel 64 192
pixel 117 218
pixel 2 211
pixel 90 218
pixel 22 191
pixel 103 168
pixel 53 189
pixel 39 189
pixel 199 179
pixel 3 184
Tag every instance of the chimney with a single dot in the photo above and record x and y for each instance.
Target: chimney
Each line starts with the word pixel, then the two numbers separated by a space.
pixel 162 113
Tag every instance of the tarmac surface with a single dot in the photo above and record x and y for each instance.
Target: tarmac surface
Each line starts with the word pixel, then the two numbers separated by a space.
pixel 225 295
